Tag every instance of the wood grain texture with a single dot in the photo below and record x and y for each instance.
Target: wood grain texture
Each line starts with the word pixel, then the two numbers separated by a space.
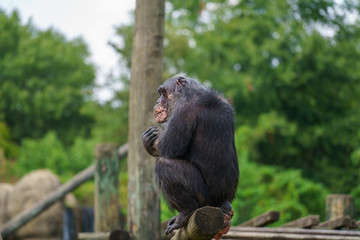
pixel 146 75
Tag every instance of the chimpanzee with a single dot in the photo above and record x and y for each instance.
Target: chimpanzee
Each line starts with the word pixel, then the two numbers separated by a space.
pixel 196 158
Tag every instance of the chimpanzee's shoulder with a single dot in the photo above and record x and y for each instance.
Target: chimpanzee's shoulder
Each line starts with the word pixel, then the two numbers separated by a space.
pixel 212 98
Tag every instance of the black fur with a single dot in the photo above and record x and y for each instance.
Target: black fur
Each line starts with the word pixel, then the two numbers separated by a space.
pixel 197 162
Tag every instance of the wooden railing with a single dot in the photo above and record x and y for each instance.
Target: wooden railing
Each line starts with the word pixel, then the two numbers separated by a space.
pixel 107 156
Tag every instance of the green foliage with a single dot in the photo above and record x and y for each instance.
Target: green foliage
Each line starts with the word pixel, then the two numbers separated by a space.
pixel 166 211
pixel 264 188
pixel 295 59
pixel 49 152
pixel 111 118
pixel 85 193
pixel 6 143
pixel 81 154
pixel 123 186
pixel 291 70
pixel 44 81
pixel 355 193
pixel 43 153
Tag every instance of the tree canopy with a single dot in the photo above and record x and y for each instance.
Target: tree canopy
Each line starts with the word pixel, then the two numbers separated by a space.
pixel 291 70
pixel 44 81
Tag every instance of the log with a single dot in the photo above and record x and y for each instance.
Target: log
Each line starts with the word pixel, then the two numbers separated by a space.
pixel 123 150
pixel 204 224
pixel 305 222
pixel 339 205
pixel 22 218
pixel 106 208
pixel 288 233
pixel 338 223
pixel 114 235
pixel 283 236
pixel 93 236
pixel 262 220
pixel 297 231
pixel 119 235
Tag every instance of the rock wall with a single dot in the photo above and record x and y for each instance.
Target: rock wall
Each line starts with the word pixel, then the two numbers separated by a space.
pixel 5 191
pixel 28 191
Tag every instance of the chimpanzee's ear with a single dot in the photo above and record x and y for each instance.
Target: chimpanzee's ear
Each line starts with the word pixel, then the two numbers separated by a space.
pixel 180 81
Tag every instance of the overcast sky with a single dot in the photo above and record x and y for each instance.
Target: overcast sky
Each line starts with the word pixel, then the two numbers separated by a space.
pixel 94 20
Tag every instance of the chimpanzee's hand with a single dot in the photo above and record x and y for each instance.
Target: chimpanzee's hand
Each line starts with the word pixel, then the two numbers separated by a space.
pixel 149 138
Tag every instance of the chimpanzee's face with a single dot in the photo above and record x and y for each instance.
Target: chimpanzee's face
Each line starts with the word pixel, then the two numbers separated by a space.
pixel 167 92
pixel 162 107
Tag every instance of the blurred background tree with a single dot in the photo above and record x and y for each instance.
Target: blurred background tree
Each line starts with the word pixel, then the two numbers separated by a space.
pixel 291 70
pixel 44 81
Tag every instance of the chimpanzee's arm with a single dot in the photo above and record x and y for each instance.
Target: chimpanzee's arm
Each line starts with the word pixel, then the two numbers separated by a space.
pixel 174 140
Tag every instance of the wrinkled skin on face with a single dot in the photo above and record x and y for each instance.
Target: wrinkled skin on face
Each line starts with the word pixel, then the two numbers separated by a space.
pixel 163 105
pixel 160 114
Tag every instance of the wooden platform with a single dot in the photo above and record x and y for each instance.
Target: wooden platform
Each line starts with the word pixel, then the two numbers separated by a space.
pixel 253 233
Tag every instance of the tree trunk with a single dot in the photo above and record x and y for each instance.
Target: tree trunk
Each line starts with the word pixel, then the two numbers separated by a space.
pixel 146 76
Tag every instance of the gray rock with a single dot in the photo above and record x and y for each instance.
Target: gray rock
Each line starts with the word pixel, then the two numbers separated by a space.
pixel 27 192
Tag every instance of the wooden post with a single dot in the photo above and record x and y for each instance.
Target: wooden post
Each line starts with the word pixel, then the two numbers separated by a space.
pixel 339 205
pixel 204 224
pixel 146 76
pixel 106 188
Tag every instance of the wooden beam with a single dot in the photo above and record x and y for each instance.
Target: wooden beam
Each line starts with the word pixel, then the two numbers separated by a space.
pixel 262 220
pixel 93 236
pixel 305 222
pixel 204 224
pixel 282 236
pixel 123 150
pixel 297 231
pixel 337 223
pixel 119 235
pixel 254 233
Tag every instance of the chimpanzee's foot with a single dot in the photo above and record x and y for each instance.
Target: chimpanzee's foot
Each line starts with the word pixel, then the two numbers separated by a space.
pixel 226 207
pixel 228 212
pixel 176 222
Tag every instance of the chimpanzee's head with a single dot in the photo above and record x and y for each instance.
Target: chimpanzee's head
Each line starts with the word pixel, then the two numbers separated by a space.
pixel 170 91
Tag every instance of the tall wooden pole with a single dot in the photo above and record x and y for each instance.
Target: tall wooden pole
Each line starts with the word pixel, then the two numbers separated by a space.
pixel 146 76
